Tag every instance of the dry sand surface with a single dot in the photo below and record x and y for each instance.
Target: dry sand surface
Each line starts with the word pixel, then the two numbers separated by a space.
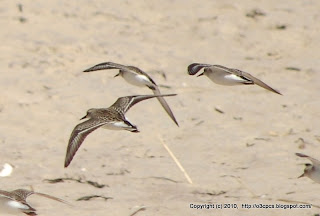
pixel 245 155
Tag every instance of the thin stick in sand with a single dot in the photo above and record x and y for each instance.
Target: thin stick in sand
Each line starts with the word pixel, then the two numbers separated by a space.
pixel 176 160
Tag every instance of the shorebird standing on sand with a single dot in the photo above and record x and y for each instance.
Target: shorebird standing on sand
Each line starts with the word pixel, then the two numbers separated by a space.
pixel 112 118
pixel 227 76
pixel 137 77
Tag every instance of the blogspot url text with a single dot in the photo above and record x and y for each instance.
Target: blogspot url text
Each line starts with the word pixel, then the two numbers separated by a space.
pixel 249 206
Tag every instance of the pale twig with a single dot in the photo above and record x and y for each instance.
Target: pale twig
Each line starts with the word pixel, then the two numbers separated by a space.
pixel 176 160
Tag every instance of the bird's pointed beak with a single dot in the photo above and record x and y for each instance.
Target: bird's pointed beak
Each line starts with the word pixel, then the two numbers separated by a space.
pixel 117 75
pixel 84 117
pixel 301 175
pixel 200 74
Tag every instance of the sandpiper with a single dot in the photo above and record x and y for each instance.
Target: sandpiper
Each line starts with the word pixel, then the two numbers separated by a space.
pixel 137 77
pixel 227 76
pixel 14 202
pixel 311 170
pixel 112 118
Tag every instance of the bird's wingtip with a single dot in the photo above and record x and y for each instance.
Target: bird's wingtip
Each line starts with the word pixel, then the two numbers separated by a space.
pixel 66 164
pixel 300 154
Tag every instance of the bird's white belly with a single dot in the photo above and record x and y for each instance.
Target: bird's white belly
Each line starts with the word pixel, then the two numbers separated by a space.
pixel 11 206
pixel 137 79
pixel 226 79
pixel 115 126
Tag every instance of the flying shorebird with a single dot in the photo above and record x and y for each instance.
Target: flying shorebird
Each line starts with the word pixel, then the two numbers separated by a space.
pixel 112 118
pixel 311 170
pixel 14 202
pixel 227 76
pixel 137 77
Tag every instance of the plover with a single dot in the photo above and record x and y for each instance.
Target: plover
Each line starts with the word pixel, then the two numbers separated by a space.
pixel 137 77
pixel 227 76
pixel 112 118
pixel 14 202
pixel 311 170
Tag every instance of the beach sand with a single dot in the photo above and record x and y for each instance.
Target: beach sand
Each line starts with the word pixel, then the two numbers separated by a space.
pixel 237 143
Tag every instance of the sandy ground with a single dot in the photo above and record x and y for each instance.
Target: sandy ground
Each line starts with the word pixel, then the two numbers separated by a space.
pixel 245 155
